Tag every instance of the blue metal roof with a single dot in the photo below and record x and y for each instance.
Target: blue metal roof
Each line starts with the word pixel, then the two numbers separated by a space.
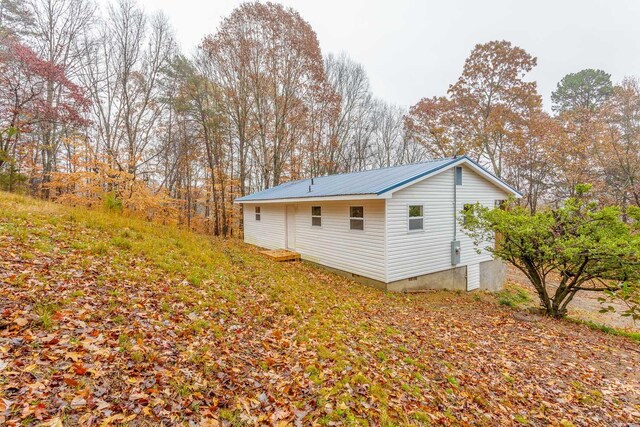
pixel 372 182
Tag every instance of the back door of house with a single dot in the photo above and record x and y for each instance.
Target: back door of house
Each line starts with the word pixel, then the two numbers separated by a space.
pixel 291 227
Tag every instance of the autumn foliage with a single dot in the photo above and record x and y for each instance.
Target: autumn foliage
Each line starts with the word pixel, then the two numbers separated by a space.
pixel 94 112
pixel 494 114
pixel 25 110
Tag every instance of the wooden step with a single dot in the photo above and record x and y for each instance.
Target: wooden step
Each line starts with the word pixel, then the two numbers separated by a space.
pixel 281 255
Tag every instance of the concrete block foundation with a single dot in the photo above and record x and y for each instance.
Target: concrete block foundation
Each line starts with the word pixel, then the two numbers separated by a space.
pixel 492 277
pixel 452 279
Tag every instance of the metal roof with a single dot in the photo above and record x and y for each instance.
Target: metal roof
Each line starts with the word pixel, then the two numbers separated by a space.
pixel 371 182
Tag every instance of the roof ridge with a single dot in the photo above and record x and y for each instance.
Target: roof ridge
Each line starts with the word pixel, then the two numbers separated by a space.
pixel 372 182
pixel 387 167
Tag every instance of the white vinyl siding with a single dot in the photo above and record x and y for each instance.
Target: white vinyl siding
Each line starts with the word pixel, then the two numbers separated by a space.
pixel 335 245
pixel 269 232
pixel 414 254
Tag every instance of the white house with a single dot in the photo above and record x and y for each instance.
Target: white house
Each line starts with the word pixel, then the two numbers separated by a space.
pixel 396 228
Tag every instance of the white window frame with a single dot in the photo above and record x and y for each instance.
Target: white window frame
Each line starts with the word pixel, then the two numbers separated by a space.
pixel 420 230
pixel 364 225
pixel 258 213
pixel 316 216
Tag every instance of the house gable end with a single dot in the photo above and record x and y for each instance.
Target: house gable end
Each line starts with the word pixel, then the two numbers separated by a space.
pixel 464 160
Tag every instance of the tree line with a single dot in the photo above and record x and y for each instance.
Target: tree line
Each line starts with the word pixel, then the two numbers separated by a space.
pixel 102 107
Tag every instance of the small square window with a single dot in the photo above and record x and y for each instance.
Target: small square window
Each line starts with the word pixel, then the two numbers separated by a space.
pixel 316 216
pixel 257 210
pixel 416 217
pixel 356 218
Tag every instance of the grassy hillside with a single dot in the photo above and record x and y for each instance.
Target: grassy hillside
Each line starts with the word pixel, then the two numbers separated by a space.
pixel 107 319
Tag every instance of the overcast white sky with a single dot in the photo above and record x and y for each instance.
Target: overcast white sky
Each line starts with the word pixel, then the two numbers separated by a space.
pixel 413 49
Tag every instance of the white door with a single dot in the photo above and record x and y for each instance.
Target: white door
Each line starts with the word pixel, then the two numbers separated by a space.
pixel 473 277
pixel 291 227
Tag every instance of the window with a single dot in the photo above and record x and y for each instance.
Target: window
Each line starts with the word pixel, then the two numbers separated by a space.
pixel 356 217
pixel 316 216
pixel 257 213
pixel 458 175
pixel 416 218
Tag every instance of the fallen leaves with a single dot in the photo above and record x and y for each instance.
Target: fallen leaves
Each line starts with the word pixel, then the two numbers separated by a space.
pixel 55 422
pixel 78 402
pixel 20 321
pixel 107 337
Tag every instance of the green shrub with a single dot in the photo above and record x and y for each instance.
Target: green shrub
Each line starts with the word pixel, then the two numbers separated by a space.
pixel 16 182
pixel 513 297
pixel 112 203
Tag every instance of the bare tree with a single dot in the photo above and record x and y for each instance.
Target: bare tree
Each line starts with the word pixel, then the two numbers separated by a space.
pixel 352 131
pixel 228 52
pixel 389 134
pixel 15 18
pixel 179 167
pixel 57 33
pixel 124 74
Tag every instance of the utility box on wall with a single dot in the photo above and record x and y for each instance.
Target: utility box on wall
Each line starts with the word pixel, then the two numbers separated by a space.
pixel 455 252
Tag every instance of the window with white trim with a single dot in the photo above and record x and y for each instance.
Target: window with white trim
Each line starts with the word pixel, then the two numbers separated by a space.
pixel 416 217
pixel 257 210
pixel 316 216
pixel 356 217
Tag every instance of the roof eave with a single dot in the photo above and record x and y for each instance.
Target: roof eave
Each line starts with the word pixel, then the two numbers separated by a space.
pixel 368 196
pixel 405 183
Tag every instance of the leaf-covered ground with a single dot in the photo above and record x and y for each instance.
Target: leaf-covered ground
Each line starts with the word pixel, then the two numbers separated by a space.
pixel 107 320
pixel 585 306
